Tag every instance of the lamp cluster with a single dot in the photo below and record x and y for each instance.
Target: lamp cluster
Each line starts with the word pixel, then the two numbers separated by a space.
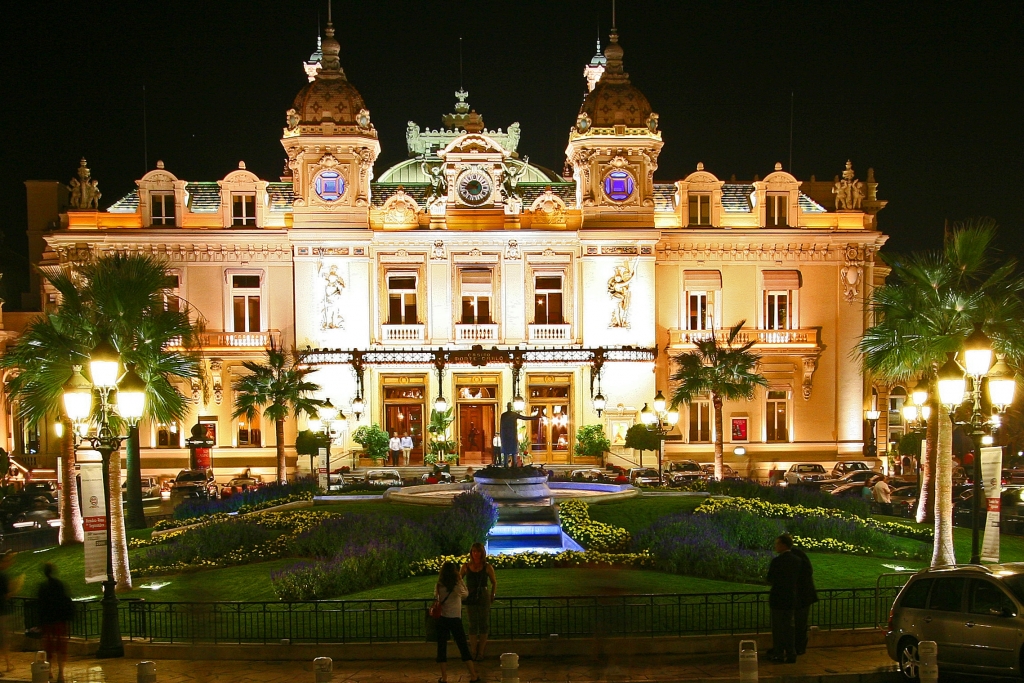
pixel 661 416
pixel 105 370
pixel 977 355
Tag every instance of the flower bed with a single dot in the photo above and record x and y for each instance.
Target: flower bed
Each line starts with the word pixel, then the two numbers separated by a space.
pixel 574 514
pixel 791 495
pixel 534 560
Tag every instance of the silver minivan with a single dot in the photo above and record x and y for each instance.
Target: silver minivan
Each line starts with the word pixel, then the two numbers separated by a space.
pixel 972 612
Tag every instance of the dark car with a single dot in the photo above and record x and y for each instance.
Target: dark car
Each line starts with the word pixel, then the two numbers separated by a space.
pixel 47 489
pixel 194 484
pixel 728 473
pixel 848 490
pixel 904 500
pixel 27 511
pixel 683 472
pixel 846 466
pixel 854 477
pixel 1011 504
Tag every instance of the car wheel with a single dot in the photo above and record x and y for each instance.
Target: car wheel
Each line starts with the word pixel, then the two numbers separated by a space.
pixel 909 659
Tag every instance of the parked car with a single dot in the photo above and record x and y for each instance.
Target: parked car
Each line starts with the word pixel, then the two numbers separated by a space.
pixel 240 485
pixel 904 500
pixel 644 476
pixel 593 475
pixel 150 488
pixel 848 490
pixel 41 488
pixel 805 473
pixel 194 484
pixel 846 466
pixel 27 510
pixel 852 477
pixel 728 473
pixel 1011 504
pixel 972 612
pixel 683 472
pixel 385 478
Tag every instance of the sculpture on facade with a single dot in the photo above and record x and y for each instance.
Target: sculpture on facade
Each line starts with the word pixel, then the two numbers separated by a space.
pixel 437 253
pixel 618 288
pixel 512 139
pixel 435 175
pixel 848 190
pixel 413 142
pixel 85 191
pixel 292 119
pixel 333 288
pixel 652 122
pixel 512 252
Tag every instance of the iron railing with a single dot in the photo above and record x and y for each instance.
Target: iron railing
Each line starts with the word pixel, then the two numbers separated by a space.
pixel 377 621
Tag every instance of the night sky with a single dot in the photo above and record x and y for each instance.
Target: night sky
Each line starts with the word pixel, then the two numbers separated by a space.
pixel 928 94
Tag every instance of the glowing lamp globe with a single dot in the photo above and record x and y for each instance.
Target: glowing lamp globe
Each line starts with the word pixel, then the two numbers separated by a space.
pixel 518 403
pixel 78 396
pixel 131 397
pixel 647 415
pixel 441 404
pixel 358 406
pixel 58 429
pixel 328 412
pixel 926 412
pixel 952 384
pixel 909 412
pixel 315 425
pixel 920 393
pixel 987 440
pixel 659 403
pixel 1001 385
pixel 104 365
pixel 673 417
pixel 599 403
pixel 872 415
pixel 977 352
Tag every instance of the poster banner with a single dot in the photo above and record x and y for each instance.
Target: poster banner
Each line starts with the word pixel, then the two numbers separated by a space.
pixel 321 467
pixel 94 522
pixel 991 479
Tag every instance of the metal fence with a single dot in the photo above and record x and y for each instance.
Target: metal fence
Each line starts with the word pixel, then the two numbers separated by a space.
pixel 378 621
pixel 28 540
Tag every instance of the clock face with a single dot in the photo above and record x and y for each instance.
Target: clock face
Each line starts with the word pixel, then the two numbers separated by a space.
pixel 475 187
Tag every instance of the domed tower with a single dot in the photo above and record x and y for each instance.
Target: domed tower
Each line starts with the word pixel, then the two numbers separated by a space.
pixel 331 146
pixel 613 148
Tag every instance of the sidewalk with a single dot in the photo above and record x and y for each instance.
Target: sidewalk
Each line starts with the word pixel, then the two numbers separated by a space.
pixel 862 664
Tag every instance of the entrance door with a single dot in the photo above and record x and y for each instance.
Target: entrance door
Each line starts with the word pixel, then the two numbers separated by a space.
pixel 403 414
pixel 549 436
pixel 476 430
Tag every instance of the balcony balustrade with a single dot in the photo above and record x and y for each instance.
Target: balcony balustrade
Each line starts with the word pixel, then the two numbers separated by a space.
pixel 233 341
pixel 764 340
pixel 468 333
pixel 549 334
pixel 402 334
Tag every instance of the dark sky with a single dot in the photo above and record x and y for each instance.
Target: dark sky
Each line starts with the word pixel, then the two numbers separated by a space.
pixel 929 94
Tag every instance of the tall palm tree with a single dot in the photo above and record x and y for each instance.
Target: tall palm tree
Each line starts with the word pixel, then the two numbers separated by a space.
pixel 123 299
pixel 927 307
pixel 276 388
pixel 724 371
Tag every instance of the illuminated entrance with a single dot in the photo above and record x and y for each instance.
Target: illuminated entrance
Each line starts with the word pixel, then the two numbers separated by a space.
pixel 476 399
pixel 404 409
pixel 551 436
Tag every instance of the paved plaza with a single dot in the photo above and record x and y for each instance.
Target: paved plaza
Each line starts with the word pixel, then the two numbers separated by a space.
pixel 846 664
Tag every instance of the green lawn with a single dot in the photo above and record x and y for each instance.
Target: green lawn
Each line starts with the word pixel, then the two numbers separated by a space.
pixel 634 514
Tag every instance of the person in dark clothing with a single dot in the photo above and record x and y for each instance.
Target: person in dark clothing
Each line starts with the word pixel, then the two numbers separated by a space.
pixel 784 576
pixel 56 609
pixel 807 595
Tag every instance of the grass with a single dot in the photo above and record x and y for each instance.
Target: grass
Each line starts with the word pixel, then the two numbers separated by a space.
pixel 634 514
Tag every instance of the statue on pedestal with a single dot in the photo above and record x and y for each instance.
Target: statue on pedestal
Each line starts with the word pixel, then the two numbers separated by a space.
pixel 85 192
pixel 509 430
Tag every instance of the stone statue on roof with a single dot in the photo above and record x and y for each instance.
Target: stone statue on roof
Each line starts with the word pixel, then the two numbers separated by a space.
pixel 435 173
pixel 85 191
pixel 413 142
pixel 512 139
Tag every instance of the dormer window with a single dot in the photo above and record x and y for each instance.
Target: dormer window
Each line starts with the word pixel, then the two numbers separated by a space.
pixel 243 208
pixel 161 208
pixel 777 210
pixel 700 209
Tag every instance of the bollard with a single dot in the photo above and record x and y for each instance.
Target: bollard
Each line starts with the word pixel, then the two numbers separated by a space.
pixel 40 668
pixel 145 672
pixel 927 661
pixel 323 668
pixel 748 661
pixel 510 668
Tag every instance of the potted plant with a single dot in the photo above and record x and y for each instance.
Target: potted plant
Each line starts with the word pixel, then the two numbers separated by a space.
pixel 374 441
pixel 442 448
pixel 591 442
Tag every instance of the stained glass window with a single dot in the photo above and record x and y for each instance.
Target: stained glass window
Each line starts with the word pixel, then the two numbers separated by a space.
pixel 329 185
pixel 618 186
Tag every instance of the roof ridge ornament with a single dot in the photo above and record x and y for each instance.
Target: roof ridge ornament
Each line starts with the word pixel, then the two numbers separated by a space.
pixel 331 62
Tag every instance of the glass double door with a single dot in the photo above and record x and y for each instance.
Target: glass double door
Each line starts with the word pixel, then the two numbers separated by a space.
pixel 403 415
pixel 477 423
pixel 550 435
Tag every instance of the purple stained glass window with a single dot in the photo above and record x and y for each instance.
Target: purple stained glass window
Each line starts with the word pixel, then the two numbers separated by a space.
pixel 329 185
pixel 618 185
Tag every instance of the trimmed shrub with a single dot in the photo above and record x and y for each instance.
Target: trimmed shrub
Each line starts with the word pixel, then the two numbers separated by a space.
pixel 246 501
pixel 574 515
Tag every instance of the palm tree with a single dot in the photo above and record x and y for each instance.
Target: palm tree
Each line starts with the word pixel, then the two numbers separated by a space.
pixel 725 371
pixel 120 298
pixel 276 388
pixel 925 310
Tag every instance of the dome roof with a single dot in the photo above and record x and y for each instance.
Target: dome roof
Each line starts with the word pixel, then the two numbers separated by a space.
pixel 330 96
pixel 614 100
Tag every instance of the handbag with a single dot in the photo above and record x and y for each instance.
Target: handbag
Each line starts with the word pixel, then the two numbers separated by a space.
pixel 431 617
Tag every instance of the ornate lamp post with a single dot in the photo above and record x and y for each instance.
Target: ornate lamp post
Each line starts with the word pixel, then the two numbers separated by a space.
pixel 660 420
pixel 127 404
pixel 871 447
pixel 323 421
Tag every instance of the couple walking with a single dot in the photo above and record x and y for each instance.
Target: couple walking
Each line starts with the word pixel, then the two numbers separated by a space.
pixel 792 594
pixel 473 585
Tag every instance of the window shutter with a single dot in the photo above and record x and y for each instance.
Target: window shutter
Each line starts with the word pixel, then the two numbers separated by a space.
pixel 702 280
pixel 781 280
pixel 476 282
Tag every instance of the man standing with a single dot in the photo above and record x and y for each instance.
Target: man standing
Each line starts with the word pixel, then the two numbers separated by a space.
pixel 510 434
pixel 395 446
pixel 807 595
pixel 883 496
pixel 496 448
pixel 407 446
pixel 784 576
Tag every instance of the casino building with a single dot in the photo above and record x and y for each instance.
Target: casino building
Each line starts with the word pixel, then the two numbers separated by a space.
pixel 467 272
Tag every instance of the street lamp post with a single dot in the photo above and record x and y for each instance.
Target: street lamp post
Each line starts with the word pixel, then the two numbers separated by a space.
pixel 660 420
pixel 128 405
pixel 871 448
pixel 323 421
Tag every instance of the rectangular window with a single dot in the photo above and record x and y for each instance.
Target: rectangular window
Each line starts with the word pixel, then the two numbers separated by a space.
pixel 700 209
pixel 547 309
pixel 249 432
pixel 245 303
pixel 777 210
pixel 476 297
pixel 168 436
pixel 700 310
pixel 777 311
pixel 775 416
pixel 243 208
pixel 700 422
pixel 172 294
pixel 402 299
pixel 162 208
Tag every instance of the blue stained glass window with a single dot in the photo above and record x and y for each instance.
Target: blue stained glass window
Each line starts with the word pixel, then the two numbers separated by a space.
pixel 618 186
pixel 329 185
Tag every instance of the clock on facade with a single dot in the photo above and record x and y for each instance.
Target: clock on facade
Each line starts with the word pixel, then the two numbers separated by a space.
pixel 329 185
pixel 618 186
pixel 474 187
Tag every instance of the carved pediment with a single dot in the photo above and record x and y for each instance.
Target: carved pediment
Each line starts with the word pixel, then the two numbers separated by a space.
pixel 400 209
pixel 473 143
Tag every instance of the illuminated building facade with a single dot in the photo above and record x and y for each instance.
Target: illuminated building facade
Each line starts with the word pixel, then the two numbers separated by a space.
pixel 469 273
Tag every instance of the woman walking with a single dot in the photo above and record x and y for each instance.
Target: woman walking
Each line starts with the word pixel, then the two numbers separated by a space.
pixel 449 592
pixel 477 573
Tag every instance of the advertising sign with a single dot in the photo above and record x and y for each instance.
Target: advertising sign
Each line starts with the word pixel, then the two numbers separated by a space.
pixel 991 478
pixel 94 522
pixel 321 467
